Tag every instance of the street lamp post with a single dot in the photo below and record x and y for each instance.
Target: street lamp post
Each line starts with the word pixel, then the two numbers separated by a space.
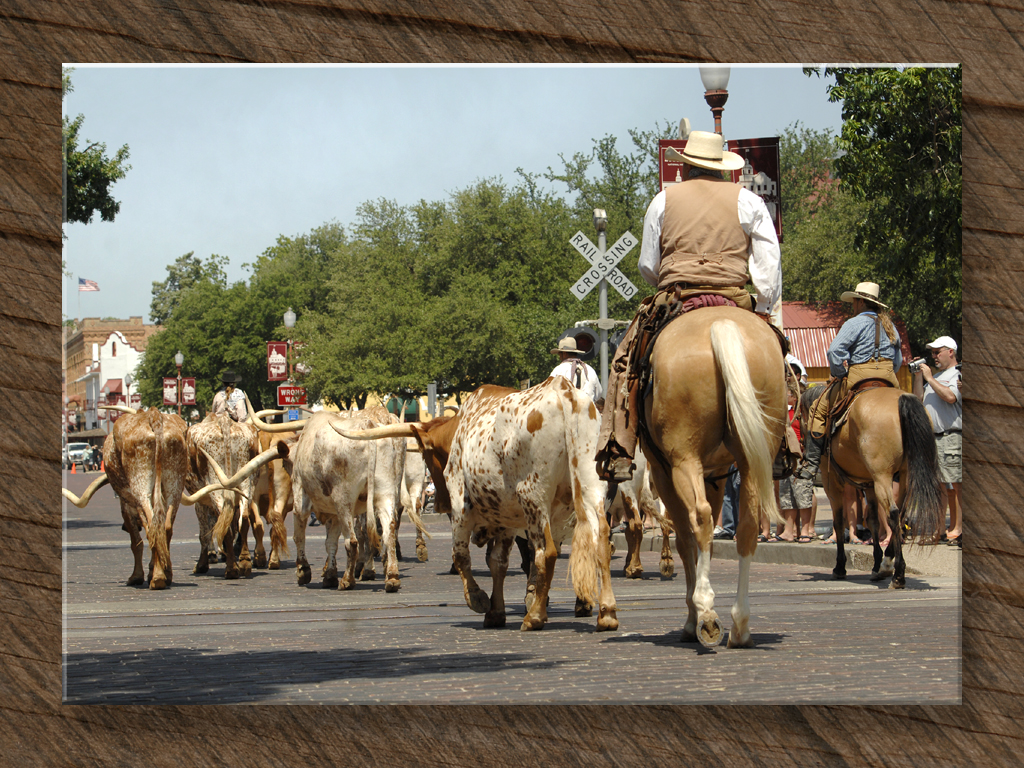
pixel 289 323
pixel 716 80
pixel 128 389
pixel 179 360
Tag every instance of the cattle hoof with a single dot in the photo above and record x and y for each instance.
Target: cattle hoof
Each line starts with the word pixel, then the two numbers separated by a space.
pixel 493 620
pixel 583 608
pixel 368 574
pixel 897 583
pixel 607 620
pixel 274 565
pixel 346 583
pixel 709 631
pixel 232 573
pixel 330 579
pixel 838 575
pixel 260 561
pixel 478 601
pixel 134 581
pixel 158 583
pixel 421 553
pixel 392 585
pixel 304 574
pixel 245 568
pixel 633 573
pixel 453 571
pixel 531 623
pixel 201 568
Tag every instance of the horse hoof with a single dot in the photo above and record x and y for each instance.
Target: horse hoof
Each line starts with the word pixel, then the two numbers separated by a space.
pixel 583 608
pixel 668 569
pixel 898 584
pixel 735 641
pixel 838 575
pixel 303 574
pixel 392 585
pixel 633 573
pixel 607 620
pixel 494 620
pixel 709 632
pixel 478 601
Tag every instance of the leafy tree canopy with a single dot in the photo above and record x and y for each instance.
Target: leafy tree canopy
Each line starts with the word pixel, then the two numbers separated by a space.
pixel 183 274
pixel 90 172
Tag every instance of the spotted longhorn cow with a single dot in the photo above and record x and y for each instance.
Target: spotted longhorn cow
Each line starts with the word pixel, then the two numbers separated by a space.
pixel 520 460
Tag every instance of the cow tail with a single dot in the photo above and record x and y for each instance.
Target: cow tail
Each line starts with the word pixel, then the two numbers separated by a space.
pixel 579 412
pixel 746 416
pixel 156 533
pixel 226 512
pixel 371 514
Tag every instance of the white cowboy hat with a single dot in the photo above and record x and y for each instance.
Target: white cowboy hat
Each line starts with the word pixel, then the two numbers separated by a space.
pixel 705 150
pixel 568 344
pixel 866 291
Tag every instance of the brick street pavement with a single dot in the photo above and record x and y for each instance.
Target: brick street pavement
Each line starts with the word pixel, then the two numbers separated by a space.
pixel 267 640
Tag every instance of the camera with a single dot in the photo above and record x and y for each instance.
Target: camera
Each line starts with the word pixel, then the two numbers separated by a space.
pixel 915 365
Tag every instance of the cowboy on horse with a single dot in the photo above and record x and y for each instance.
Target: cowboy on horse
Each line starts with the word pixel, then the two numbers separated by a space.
pixel 704 239
pixel 867 348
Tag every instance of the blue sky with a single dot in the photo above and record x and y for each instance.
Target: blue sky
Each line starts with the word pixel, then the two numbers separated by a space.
pixel 226 159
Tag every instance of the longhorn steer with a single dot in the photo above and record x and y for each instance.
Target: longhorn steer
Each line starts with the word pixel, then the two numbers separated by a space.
pixel 145 461
pixel 223 513
pixel 274 497
pixel 340 480
pixel 520 460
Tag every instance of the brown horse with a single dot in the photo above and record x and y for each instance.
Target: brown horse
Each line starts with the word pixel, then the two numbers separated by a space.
pixel 886 432
pixel 717 396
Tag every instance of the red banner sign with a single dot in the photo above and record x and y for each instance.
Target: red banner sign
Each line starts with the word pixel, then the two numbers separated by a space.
pixel 170 391
pixel 136 400
pixel 760 174
pixel 188 391
pixel 277 361
pixel 288 396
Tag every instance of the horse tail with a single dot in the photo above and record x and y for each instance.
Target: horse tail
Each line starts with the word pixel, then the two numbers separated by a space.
pixel 923 510
pixel 746 414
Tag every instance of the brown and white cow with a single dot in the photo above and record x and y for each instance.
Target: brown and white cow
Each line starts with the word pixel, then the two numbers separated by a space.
pixel 222 514
pixel 274 498
pixel 520 460
pixel 340 481
pixel 145 461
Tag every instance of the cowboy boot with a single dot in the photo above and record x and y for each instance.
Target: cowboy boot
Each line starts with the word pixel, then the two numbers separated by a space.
pixel 812 457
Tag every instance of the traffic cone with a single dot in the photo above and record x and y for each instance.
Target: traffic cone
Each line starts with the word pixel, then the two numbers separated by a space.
pixel 101 465
pixel 73 472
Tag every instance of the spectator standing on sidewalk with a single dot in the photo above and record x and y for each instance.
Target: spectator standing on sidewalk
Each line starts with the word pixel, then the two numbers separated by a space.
pixel 940 393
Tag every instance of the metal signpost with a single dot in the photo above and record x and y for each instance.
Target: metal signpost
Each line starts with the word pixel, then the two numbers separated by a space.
pixel 603 271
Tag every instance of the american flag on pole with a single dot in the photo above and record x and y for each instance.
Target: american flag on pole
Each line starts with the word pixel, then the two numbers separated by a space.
pixel 87 285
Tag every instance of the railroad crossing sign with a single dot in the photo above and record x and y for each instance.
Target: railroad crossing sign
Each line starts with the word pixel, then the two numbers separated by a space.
pixel 603 266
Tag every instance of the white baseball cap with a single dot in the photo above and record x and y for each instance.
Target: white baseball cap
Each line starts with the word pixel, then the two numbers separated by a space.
pixel 942 341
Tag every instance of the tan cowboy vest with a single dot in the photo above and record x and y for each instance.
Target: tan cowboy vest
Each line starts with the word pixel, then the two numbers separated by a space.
pixel 702 242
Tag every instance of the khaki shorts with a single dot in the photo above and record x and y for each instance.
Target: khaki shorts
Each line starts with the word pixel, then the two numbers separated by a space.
pixel 795 493
pixel 951 457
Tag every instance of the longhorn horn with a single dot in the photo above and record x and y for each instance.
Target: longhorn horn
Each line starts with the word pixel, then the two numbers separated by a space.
pixel 254 419
pixel 277 451
pixel 124 408
pixel 98 483
pixel 376 433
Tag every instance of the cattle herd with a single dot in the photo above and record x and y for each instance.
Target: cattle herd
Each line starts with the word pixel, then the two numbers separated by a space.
pixel 507 463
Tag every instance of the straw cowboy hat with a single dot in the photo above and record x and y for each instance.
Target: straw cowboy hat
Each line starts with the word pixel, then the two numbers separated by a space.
pixel 704 150
pixel 567 345
pixel 866 291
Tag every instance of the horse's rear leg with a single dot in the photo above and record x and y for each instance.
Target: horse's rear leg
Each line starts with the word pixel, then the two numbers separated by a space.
pixel 747 527
pixel 834 491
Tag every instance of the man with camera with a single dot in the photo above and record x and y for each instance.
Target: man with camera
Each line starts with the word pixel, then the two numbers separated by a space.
pixel 940 393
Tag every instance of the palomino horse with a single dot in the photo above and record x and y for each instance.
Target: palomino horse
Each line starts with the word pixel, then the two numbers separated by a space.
pixel 887 431
pixel 718 395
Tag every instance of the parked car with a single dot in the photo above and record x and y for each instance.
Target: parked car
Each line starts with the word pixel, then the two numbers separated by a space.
pixel 76 454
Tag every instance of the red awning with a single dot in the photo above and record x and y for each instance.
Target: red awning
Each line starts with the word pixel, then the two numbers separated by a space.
pixel 112 387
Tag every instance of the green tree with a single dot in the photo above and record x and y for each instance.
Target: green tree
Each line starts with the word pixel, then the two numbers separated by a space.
pixel 90 172
pixel 183 274
pixel 902 142
pixel 807 180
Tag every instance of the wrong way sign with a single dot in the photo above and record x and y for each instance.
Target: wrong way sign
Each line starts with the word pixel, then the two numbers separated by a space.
pixel 603 266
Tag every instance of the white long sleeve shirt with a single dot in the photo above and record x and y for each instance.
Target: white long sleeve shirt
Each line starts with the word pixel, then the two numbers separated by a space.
pixel 764 256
